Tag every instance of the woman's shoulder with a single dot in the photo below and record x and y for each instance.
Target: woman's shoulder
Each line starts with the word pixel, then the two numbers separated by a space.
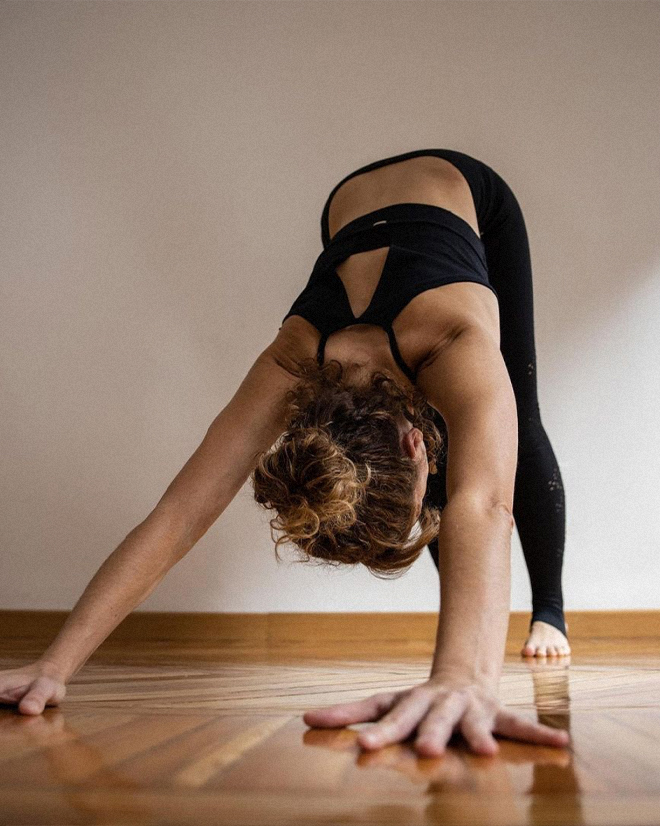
pixel 295 341
pixel 434 317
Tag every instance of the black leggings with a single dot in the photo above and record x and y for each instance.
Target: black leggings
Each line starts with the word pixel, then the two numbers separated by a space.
pixel 538 504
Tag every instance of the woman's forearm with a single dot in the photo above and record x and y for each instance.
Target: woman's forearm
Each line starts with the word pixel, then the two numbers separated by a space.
pixel 124 580
pixel 475 586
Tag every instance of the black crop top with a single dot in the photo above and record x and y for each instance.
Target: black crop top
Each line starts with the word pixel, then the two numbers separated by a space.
pixel 428 246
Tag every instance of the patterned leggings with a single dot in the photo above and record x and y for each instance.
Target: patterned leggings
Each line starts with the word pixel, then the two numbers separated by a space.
pixel 538 505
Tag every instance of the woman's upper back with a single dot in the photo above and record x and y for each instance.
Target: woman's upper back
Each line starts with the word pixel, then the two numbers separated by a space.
pixel 431 317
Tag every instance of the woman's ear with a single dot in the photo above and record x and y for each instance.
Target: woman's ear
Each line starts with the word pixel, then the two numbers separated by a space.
pixel 407 443
pixel 413 442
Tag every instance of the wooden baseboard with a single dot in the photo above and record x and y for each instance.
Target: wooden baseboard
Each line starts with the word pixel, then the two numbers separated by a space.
pixel 302 628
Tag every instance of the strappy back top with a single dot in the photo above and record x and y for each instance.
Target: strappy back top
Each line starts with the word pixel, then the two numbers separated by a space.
pixel 428 246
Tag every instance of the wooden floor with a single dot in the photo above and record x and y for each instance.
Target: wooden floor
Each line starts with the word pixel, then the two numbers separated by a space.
pixel 194 733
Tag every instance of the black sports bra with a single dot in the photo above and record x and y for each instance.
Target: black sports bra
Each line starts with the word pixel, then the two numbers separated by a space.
pixel 428 246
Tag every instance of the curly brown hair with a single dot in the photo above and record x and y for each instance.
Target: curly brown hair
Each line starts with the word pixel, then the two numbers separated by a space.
pixel 340 484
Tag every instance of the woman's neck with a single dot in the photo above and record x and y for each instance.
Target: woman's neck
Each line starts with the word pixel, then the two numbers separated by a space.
pixel 363 351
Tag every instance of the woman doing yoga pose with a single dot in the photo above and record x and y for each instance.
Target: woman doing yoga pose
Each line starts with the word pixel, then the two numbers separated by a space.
pixel 395 409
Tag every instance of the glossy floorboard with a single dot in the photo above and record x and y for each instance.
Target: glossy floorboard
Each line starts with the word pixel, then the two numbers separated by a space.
pixel 178 733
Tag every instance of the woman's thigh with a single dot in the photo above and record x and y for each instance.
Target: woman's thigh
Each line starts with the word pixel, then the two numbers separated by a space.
pixel 509 263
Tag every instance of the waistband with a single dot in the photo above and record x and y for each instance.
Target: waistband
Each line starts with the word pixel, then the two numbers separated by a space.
pixel 376 228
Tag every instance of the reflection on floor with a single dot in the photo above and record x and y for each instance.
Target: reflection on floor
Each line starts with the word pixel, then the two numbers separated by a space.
pixel 166 733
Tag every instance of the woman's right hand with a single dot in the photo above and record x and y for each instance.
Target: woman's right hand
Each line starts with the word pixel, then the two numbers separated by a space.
pixel 31 687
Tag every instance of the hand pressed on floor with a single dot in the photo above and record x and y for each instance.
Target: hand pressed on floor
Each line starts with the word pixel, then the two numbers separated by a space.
pixel 31 687
pixel 435 709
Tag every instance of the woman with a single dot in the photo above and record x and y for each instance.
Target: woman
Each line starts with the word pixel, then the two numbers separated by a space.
pixel 394 348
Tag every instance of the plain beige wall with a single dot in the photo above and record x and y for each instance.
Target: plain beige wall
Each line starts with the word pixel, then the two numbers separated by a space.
pixel 164 166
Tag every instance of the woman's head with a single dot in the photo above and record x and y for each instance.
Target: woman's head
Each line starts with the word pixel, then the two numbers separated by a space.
pixel 347 477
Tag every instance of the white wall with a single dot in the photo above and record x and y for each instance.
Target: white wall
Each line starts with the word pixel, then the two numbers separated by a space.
pixel 164 166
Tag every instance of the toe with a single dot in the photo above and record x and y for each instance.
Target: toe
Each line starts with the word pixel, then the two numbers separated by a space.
pixel 541 651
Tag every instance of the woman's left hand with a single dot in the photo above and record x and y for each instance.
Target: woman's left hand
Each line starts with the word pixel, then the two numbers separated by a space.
pixel 435 709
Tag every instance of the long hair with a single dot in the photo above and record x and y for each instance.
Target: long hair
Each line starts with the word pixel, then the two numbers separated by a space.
pixel 338 479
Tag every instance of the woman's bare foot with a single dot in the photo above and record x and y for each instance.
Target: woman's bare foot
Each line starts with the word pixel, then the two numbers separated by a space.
pixel 545 641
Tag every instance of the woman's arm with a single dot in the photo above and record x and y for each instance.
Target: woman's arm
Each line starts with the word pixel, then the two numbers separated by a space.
pixel 468 384
pixel 212 476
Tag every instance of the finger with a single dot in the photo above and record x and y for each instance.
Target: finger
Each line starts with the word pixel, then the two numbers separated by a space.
pixel 397 724
pixel 41 693
pixel 476 728
pixel 511 725
pixel 32 703
pixel 343 714
pixel 10 695
pixel 436 729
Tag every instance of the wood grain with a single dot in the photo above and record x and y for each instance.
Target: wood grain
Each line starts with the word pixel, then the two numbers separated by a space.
pixel 205 729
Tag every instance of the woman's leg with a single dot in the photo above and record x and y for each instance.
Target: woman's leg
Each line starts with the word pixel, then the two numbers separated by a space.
pixel 538 506
pixel 436 485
